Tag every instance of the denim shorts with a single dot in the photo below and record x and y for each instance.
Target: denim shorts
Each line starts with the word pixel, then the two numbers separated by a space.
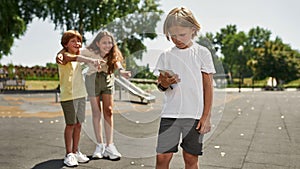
pixel 74 110
pixel 99 83
pixel 170 132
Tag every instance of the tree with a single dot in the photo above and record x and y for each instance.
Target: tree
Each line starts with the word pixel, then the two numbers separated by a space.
pixel 277 60
pixel 82 15
pixel 227 41
pixel 233 60
pixel 15 15
pixel 12 25
pixel 130 21
pixel 238 63
pixel 228 30
pixel 258 36
pixel 87 15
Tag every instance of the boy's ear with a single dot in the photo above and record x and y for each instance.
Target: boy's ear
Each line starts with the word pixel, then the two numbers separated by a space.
pixel 194 30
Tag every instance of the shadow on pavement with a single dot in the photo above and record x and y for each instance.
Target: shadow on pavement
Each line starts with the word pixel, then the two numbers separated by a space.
pixel 50 164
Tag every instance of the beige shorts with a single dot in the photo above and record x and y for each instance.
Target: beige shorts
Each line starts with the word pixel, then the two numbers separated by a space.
pixel 74 110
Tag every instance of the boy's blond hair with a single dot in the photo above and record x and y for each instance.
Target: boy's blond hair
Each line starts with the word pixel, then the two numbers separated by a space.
pixel 181 16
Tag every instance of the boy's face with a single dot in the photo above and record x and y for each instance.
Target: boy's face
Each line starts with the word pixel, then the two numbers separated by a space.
pixel 181 36
pixel 105 44
pixel 73 45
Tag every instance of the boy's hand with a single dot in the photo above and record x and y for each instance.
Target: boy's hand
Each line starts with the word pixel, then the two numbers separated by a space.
pixel 167 80
pixel 60 59
pixel 204 125
pixel 68 57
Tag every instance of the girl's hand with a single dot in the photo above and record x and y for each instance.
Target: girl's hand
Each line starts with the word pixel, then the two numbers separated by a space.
pixel 98 63
pixel 126 74
pixel 95 63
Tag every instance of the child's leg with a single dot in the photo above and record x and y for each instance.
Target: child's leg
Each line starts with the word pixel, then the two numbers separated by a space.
pixel 191 143
pixel 76 136
pixel 108 117
pixel 68 137
pixel 190 160
pixel 96 110
pixel 167 142
pixel 163 160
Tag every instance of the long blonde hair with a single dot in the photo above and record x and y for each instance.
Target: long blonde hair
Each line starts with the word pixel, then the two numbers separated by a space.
pixel 113 56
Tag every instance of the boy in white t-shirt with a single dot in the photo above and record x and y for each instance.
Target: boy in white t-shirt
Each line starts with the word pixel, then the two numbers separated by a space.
pixel 186 79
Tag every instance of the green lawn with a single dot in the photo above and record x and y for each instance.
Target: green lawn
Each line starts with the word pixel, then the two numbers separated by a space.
pixel 41 84
pixel 293 84
pixel 262 83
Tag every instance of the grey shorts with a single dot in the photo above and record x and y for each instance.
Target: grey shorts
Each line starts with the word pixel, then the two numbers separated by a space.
pixel 74 110
pixel 170 131
pixel 99 83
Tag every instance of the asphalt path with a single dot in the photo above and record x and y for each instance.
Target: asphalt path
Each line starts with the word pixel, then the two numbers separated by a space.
pixel 251 130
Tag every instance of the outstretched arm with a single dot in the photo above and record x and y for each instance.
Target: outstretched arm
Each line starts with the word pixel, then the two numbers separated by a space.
pixel 66 57
pixel 122 71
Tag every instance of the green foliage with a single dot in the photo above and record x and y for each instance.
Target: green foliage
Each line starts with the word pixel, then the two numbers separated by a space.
pixel 258 36
pixel 12 25
pixel 145 74
pixel 277 60
pixel 293 84
pixel 15 15
pixel 132 20
pixel 260 57
pixel 87 15
pixel 146 87
pixel 52 65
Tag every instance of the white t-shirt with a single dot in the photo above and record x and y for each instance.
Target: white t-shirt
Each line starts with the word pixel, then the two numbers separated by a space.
pixel 185 100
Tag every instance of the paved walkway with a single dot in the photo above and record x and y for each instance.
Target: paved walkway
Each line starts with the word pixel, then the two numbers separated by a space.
pixel 252 130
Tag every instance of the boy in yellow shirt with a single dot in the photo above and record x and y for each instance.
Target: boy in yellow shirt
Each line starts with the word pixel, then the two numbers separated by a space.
pixel 73 94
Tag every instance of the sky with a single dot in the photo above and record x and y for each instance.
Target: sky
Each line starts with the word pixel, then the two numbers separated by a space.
pixel 41 42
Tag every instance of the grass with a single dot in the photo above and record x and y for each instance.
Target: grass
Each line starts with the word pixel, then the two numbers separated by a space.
pixel 262 83
pixel 41 84
pixel 293 84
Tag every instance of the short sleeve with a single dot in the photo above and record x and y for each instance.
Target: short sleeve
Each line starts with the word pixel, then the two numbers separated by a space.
pixel 206 61
pixel 160 64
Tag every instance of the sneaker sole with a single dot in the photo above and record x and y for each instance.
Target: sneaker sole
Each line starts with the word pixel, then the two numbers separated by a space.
pixel 97 157
pixel 72 166
pixel 83 161
pixel 112 159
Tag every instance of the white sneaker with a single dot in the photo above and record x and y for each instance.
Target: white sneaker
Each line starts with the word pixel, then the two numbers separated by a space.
pixel 70 160
pixel 81 158
pixel 100 148
pixel 111 152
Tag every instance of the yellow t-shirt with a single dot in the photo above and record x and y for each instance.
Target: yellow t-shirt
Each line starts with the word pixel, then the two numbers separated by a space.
pixel 71 81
